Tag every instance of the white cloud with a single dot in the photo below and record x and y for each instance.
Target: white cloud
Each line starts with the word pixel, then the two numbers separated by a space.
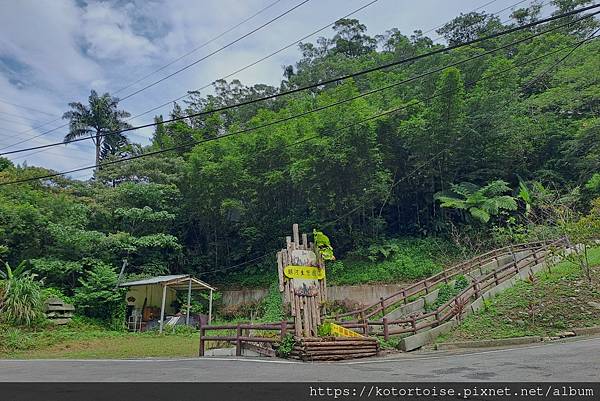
pixel 108 34
pixel 53 52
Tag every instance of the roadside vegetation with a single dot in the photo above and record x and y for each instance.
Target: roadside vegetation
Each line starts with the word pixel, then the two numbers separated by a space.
pixel 455 173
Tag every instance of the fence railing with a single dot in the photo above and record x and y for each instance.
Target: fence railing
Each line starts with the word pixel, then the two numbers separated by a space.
pixel 428 284
pixel 243 334
pixel 455 306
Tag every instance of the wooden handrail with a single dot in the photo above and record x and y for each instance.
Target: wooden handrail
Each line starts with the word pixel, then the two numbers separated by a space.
pixel 239 338
pixel 437 278
pixel 446 311
pixel 442 313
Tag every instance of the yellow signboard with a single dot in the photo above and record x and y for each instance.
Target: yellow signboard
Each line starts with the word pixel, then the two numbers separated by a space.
pixel 306 272
pixel 340 331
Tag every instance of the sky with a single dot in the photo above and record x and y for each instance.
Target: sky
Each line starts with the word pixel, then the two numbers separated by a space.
pixel 53 52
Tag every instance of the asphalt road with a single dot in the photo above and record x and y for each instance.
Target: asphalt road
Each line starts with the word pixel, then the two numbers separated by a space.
pixel 567 361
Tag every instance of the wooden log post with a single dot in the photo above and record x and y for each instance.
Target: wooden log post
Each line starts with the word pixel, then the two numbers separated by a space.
pixel 382 306
pixel 238 340
pixel 404 297
pixel 476 288
pixel 426 287
pixel 413 323
pixel 201 348
pixel 386 329
pixel 283 329
pixel 496 278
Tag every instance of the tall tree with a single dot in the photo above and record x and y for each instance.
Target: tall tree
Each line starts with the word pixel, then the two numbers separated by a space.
pixel 100 120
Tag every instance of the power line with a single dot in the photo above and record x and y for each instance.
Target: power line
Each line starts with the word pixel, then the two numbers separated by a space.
pixel 36 136
pixel 472 11
pixel 346 77
pixel 20 116
pixel 187 94
pixel 194 143
pixel 131 84
pixel 227 76
pixel 215 51
pixel 430 160
pixel 199 47
pixel 26 107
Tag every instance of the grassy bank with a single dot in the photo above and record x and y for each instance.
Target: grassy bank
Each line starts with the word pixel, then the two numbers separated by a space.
pixel 84 340
pixel 397 260
pixel 554 302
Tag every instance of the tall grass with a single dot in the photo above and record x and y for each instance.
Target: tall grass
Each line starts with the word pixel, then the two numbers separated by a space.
pixel 20 299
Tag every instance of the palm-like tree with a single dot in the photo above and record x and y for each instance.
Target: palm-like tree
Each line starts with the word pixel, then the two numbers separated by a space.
pixel 481 202
pixel 101 121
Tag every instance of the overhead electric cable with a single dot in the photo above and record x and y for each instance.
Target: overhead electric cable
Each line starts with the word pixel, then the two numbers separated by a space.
pixel 214 52
pixel 195 49
pixel 414 171
pixel 210 84
pixel 26 107
pixel 338 79
pixel 187 94
pixel 129 85
pixel 194 143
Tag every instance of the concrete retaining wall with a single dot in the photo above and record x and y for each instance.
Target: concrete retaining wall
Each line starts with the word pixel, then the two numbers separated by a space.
pixel 364 294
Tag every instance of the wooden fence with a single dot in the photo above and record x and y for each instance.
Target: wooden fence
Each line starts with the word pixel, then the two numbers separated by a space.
pixel 537 252
pixel 455 306
pixel 243 334
pixel 425 286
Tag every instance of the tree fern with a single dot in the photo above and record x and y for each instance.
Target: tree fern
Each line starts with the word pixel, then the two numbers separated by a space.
pixel 481 202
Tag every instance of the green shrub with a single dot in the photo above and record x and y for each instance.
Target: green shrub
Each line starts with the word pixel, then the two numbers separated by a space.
pixel 391 343
pixel 324 330
pixel 20 296
pixel 447 292
pixel 97 296
pixel 52 292
pixel 273 305
pixel 391 261
pixel 460 283
pixel 286 346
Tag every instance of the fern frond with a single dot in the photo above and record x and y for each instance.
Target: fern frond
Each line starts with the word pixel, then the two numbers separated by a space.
pixel 479 214
pixel 495 188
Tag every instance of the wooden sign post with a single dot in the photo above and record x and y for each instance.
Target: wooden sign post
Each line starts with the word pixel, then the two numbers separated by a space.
pixel 302 282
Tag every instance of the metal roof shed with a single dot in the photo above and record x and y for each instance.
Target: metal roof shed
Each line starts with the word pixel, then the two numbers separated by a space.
pixel 178 282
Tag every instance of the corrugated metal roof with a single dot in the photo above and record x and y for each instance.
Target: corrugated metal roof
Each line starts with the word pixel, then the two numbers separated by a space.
pixel 154 280
pixel 166 279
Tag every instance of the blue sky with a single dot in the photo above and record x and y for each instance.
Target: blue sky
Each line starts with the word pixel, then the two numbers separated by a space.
pixel 53 52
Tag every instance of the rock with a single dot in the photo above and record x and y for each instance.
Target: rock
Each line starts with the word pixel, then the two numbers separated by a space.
pixel 546 339
pixel 564 334
pixel 520 322
pixel 554 338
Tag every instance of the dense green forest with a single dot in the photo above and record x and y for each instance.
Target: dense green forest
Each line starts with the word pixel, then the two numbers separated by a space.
pixel 500 148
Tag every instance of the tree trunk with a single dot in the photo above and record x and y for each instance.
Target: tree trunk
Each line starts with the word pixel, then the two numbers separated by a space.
pixel 97 143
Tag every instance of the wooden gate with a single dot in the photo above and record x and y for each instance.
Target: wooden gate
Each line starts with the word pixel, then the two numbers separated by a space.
pixel 302 282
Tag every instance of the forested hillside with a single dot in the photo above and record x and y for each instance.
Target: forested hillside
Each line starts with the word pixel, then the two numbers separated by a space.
pixel 482 151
